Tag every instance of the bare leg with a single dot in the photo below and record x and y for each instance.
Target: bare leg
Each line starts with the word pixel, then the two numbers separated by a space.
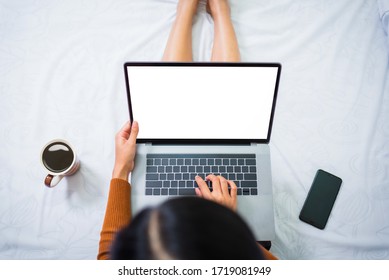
pixel 225 44
pixel 179 44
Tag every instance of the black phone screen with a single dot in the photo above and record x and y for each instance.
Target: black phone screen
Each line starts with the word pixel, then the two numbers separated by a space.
pixel 320 199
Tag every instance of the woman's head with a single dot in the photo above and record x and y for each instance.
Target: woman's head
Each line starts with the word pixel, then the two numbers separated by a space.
pixel 186 228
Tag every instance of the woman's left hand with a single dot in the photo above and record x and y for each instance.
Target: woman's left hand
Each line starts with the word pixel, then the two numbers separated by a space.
pixel 125 150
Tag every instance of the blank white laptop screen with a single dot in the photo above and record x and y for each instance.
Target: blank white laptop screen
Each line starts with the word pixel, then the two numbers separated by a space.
pixel 202 102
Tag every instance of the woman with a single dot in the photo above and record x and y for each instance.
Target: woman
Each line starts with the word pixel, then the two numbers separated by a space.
pixel 182 228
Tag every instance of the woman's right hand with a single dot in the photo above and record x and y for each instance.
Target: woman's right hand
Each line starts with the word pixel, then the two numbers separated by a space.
pixel 220 193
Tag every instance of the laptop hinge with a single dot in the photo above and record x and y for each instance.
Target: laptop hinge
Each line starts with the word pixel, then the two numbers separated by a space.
pixel 253 144
pixel 148 144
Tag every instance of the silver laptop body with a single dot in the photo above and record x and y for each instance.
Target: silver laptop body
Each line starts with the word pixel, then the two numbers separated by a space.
pixel 194 115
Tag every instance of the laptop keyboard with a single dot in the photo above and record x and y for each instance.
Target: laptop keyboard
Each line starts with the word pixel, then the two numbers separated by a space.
pixel 174 174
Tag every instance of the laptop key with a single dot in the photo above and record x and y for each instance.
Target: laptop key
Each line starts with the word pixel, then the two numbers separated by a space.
pixel 169 169
pixel 246 191
pixel 254 191
pixel 184 169
pixel 239 192
pixel 250 162
pixel 186 191
pixel 149 191
pixel 248 184
pixel 199 169
pixel 151 169
pixel 152 177
pixel 156 191
pixel 173 191
pixel 153 184
pixel 164 191
pixel 250 176
pixel 166 184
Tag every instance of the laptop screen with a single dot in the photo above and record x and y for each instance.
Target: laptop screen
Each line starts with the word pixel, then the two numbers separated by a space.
pixel 202 101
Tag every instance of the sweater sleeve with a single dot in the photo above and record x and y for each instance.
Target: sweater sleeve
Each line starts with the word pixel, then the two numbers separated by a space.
pixel 267 254
pixel 117 215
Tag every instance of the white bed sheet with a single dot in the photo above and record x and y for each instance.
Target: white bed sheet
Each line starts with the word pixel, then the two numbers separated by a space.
pixel 61 76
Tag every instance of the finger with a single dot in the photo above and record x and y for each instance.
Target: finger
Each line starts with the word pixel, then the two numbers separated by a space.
pixel 234 188
pixel 134 132
pixel 215 183
pixel 124 132
pixel 203 187
pixel 224 186
pixel 233 192
pixel 198 192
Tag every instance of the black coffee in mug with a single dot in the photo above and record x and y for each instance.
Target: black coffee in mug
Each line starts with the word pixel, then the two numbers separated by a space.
pixel 57 157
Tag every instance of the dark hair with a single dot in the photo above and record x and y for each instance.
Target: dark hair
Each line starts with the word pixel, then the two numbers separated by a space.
pixel 186 228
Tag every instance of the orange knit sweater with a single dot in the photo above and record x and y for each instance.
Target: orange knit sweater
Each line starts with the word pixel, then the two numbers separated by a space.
pixel 118 214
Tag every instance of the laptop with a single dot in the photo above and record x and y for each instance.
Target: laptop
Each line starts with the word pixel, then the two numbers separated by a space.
pixel 202 118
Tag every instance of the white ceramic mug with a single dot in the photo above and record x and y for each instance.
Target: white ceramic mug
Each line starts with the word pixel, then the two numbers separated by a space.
pixel 59 159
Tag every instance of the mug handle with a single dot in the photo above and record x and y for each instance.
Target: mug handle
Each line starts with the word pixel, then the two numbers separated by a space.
pixel 51 180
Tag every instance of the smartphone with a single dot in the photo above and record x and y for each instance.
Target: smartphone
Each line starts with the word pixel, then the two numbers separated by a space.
pixel 320 199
